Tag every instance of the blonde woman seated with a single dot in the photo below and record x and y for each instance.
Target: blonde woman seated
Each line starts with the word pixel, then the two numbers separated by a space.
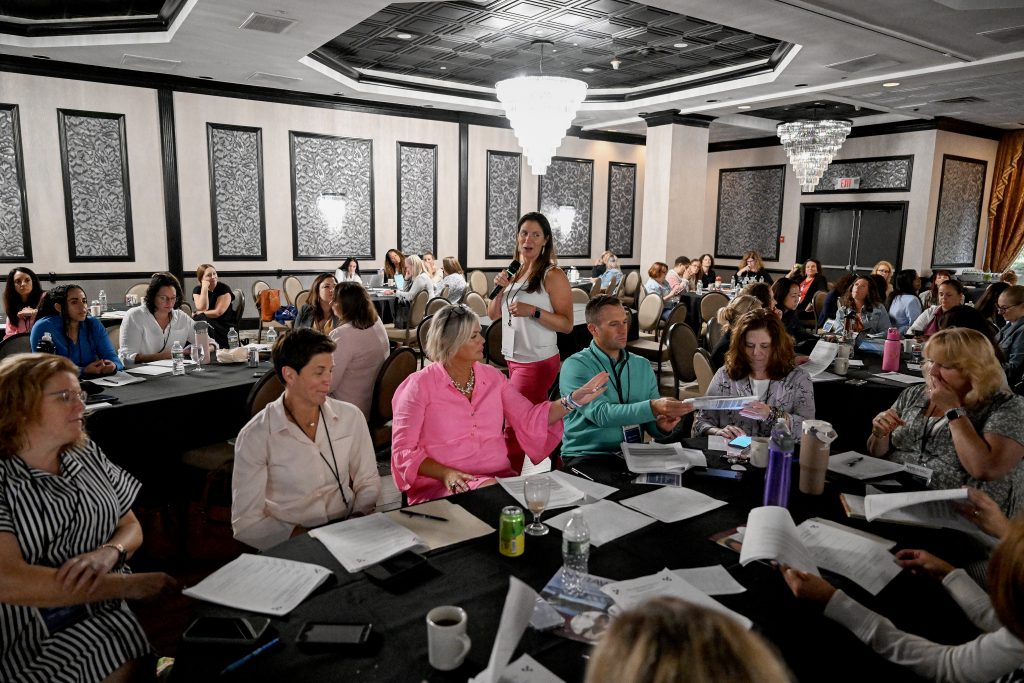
pixel 667 640
pixel 885 269
pixel 760 362
pixel 448 418
pixel 728 317
pixel 306 459
pixel 963 423
pixel 361 346
pixel 454 280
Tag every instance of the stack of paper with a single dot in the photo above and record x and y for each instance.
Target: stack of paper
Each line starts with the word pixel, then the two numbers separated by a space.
pixel 935 509
pixel 629 594
pixel 671 504
pixel 258 583
pixel 822 356
pixel 364 541
pixel 713 580
pixel 563 493
pixel 459 525
pixel 853 464
pixel 900 377
pixel 118 379
pixel 607 521
pixel 594 491
pixel 657 457
pixel 153 370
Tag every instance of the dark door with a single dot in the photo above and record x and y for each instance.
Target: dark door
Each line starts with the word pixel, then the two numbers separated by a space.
pixel 852 236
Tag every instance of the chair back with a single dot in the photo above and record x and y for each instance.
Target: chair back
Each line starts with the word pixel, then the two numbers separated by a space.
pixel 819 305
pixel 15 344
pixel 595 290
pixel 476 303
pixel 613 286
pixel 266 390
pixel 579 296
pixel 678 314
pixel 421 336
pixel 399 365
pixel 138 289
pixel 292 286
pixel 492 345
pixel 715 333
pixel 628 292
pixel 301 299
pixel 478 282
pixel 258 287
pixel 650 313
pixel 444 292
pixel 641 294
pixel 436 304
pixel 114 332
pixel 702 369
pixel 186 308
pixel 710 303
pixel 682 344
pixel 238 306
pixel 418 309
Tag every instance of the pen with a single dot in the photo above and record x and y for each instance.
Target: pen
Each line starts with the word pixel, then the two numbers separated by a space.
pixel 581 473
pixel 423 515
pixel 252 655
pixel 854 461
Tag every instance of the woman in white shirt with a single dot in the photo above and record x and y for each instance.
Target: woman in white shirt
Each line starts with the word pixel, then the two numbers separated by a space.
pixel 430 266
pixel 454 280
pixel 417 279
pixel 306 459
pixel 348 272
pixel 150 330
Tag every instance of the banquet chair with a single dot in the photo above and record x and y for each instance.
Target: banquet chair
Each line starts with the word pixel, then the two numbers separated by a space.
pixel 682 344
pixel 399 365
pixel 648 345
pixel 492 346
pixel 238 307
pixel 301 299
pixel 291 288
pixel 710 303
pixel 714 334
pixel 477 282
pixel 579 296
pixel 627 293
pixel 819 305
pixel 186 308
pixel 436 304
pixel 407 335
pixel 421 338
pixel 258 287
pixel 702 368
pixel 678 315
pixel 15 344
pixel 476 303
pixel 138 290
pixel 114 332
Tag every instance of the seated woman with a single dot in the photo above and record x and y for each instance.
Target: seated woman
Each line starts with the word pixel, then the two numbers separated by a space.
pixel 903 304
pixel 831 305
pixel 861 313
pixel 951 293
pixel 66 530
pixel 707 270
pixel 430 266
pixel 306 459
pixel 691 276
pixel 668 640
pixel 150 330
pixel 997 654
pixel 752 269
pixel 786 294
pixel 454 279
pixel 884 269
pixel 76 334
pixel 930 296
pixel 448 418
pixel 988 303
pixel 317 312
pixel 611 272
pixel 762 293
pixel 1011 336
pixel 962 423
pixel 361 346
pixel 601 264
pixel 21 300
pixel 416 280
pixel 659 286
pixel 760 362
pixel 728 317
pixel 349 272
pixel 394 264
pixel 212 299
pixel 811 281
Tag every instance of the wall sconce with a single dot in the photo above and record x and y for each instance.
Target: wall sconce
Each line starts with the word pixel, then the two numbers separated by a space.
pixel 564 218
pixel 331 206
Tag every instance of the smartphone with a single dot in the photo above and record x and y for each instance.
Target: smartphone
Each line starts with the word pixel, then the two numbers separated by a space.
pixel 740 442
pixel 829 327
pixel 632 434
pixel 402 565
pixel 724 474
pixel 660 478
pixel 342 635
pixel 240 630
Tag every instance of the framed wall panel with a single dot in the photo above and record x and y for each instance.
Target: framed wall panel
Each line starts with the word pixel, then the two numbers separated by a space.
pixel 749 211
pixel 97 197
pixel 237 210
pixel 504 202
pixel 879 174
pixel 621 208
pixel 958 218
pixel 326 163
pixel 569 182
pixel 417 198
pixel 15 238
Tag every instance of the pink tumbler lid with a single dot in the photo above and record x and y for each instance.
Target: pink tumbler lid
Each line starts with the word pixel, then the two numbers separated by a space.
pixel 894 334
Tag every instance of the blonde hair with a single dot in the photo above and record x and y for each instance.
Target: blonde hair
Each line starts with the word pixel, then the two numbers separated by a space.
pixel 450 328
pixel 970 352
pixel 415 264
pixel 744 303
pixel 667 640
pixel 1008 276
pixel 22 380
pixel 878 265
pixel 450 264
pixel 1014 293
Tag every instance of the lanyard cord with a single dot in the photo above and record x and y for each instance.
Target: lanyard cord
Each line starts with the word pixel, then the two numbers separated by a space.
pixel 335 471
pixel 617 369
pixel 767 392
pixel 510 296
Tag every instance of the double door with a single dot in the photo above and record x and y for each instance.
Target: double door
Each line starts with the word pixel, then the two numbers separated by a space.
pixel 847 237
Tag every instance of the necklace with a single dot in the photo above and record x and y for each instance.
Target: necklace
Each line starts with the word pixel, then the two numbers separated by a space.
pixel 468 389
pixel 294 419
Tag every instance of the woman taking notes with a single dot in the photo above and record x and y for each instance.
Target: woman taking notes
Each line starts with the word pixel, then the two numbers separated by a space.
pixel 149 331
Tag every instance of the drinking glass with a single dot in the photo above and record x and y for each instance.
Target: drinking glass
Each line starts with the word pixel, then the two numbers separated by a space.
pixel 198 356
pixel 538 492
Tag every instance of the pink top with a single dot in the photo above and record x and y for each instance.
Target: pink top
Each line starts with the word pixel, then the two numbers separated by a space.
pixel 19 325
pixel 357 359
pixel 432 419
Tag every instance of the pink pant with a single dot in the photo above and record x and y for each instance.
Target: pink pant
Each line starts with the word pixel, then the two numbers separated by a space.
pixel 532 380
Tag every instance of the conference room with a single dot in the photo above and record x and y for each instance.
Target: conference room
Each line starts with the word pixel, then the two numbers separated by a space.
pixel 241 223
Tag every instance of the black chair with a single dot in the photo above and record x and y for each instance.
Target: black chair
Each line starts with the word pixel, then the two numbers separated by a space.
pixel 14 344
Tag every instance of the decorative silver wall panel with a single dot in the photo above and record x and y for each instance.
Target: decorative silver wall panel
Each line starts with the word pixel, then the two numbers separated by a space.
pixel 621 208
pixel 15 240
pixel 881 174
pixel 958 218
pixel 749 211
pixel 569 182
pixel 504 194
pixel 236 192
pixel 325 163
pixel 417 198
pixel 97 198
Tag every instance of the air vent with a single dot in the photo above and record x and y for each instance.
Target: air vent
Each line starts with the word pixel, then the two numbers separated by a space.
pixel 272 79
pixel 1013 34
pixel 864 63
pixel 970 99
pixel 652 52
pixel 149 63
pixel 267 23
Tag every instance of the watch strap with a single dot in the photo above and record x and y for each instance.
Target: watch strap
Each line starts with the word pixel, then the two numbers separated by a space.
pixel 536 313
pixel 955 413
pixel 122 554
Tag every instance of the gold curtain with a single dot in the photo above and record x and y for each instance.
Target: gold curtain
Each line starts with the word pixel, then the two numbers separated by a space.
pixel 1006 209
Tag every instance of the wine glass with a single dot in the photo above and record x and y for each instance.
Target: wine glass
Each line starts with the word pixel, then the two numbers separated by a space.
pixel 198 356
pixel 538 492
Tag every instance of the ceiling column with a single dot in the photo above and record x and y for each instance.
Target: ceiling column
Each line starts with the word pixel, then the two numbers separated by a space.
pixel 675 177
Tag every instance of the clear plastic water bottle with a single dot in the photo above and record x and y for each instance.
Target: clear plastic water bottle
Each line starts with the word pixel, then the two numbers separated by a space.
pixel 122 355
pixel 232 339
pixel 271 336
pixel 45 344
pixel 700 287
pixel 575 553
pixel 103 301
pixel 177 359
pixel 780 458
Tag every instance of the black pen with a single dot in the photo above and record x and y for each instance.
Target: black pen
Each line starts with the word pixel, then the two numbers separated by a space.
pixel 854 461
pixel 580 473
pixel 423 515
pixel 252 655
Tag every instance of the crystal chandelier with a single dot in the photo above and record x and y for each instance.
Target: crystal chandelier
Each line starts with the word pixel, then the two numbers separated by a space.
pixel 810 146
pixel 541 109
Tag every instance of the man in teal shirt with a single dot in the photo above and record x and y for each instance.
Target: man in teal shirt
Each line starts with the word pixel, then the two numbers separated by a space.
pixel 631 400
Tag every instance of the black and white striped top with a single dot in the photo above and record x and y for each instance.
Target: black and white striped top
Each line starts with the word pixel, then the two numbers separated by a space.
pixel 54 518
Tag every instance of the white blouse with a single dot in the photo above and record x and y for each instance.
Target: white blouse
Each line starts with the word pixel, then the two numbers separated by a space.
pixel 141 333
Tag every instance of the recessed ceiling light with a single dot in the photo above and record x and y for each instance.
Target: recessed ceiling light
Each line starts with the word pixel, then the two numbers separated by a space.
pixel 890 84
pixel 743 106
pixel 444 68
pixel 679 44
pixel 588 69
pixel 553 51
pixel 575 44
pixel 403 36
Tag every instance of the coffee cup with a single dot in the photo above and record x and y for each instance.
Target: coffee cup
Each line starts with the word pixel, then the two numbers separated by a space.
pixel 759 451
pixel 814 447
pixel 447 642
pixel 841 366
pixel 845 351
pixel 95 310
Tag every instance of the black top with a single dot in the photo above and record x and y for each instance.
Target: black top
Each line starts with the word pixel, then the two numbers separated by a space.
pixel 718 353
pixel 709 278
pixel 218 326
pixel 819 284
pixel 598 270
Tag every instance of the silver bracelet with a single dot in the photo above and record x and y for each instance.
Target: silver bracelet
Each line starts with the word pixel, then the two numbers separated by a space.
pixel 570 402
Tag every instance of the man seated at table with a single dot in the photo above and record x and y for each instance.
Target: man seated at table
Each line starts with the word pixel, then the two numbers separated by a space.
pixel 632 400
pixel 674 277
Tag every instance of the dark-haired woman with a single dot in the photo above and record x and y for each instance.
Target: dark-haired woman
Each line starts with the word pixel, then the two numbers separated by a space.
pixel 362 346
pixel 212 299
pixel 831 305
pixel 930 296
pixel 988 304
pixel 394 262
pixel 786 294
pixel 861 312
pixel 534 306
pixel 21 300
pixel 348 272
pixel 811 281
pixel 760 362
pixel 150 330
pixel 316 312
pixel 707 270
pixel 950 294
pixel 904 306
pixel 76 334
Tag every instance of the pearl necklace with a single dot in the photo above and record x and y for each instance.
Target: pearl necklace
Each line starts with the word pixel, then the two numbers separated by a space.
pixel 468 389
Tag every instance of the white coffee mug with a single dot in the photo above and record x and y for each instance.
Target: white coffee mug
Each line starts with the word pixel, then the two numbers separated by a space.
pixel 759 451
pixel 447 642
pixel 841 366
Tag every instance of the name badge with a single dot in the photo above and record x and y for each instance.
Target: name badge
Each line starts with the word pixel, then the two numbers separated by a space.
pixel 919 471
pixel 508 339
pixel 632 434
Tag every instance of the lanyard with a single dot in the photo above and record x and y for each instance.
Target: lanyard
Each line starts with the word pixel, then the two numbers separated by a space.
pixel 767 392
pixel 617 369
pixel 335 471
pixel 510 296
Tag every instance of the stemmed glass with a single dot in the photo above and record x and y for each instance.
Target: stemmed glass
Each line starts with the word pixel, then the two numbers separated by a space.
pixel 198 356
pixel 538 492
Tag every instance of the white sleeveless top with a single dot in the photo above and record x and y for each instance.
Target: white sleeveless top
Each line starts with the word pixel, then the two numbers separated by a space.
pixel 533 341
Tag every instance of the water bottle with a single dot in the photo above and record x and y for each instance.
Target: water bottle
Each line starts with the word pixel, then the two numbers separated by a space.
pixel 177 359
pixel 575 553
pixel 780 456
pixel 891 351
pixel 122 355
pixel 45 344
pixel 271 336
pixel 700 287
pixel 232 339
pixel 103 301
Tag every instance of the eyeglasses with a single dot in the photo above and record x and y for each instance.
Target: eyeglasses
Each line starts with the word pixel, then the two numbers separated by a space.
pixel 1004 309
pixel 454 311
pixel 162 299
pixel 67 396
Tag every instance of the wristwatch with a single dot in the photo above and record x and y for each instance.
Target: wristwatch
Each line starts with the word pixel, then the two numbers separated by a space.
pixel 955 413
pixel 122 554
pixel 536 313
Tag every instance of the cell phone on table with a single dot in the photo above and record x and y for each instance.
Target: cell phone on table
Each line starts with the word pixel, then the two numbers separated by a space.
pixel 741 442
pixel 238 630
pixel 338 635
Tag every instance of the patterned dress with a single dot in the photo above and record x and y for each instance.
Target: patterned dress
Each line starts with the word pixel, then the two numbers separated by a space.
pixel 793 394
pixel 54 518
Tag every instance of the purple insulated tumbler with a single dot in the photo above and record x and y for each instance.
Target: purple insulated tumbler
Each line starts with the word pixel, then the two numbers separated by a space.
pixel 780 459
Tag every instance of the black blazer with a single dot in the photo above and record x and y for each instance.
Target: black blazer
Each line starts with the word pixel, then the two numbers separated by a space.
pixel 819 284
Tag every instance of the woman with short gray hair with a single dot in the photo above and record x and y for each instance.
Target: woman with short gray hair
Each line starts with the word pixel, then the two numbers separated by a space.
pixel 461 446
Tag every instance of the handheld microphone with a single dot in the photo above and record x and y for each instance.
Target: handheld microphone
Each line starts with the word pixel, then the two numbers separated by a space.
pixel 512 269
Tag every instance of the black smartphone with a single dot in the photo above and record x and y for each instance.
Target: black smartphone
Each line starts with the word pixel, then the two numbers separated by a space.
pixel 712 472
pixel 240 630
pixel 341 635
pixel 401 565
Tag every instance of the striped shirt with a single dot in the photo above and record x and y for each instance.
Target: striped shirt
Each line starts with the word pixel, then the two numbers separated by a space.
pixel 55 518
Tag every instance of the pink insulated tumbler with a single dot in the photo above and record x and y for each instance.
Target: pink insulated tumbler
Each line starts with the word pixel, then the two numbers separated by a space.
pixel 891 351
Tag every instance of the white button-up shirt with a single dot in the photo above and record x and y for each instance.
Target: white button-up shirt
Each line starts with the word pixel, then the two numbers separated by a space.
pixel 141 333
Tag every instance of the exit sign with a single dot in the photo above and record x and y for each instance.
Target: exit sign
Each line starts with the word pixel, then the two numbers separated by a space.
pixel 847 183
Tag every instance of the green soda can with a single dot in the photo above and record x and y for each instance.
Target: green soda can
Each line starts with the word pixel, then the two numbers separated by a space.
pixel 511 531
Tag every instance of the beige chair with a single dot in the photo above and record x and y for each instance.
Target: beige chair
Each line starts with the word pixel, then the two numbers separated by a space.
pixel 702 369
pixel 444 292
pixel 595 289
pixel 710 303
pixel 421 337
pixel 15 344
pixel 477 282
pixel 627 294
pixel 819 305
pixel 407 335
pixel 114 332
pixel 436 304
pixel 238 307
pixel 186 308
pixel 649 316
pixel 682 344
pixel 613 286
pixel 579 296
pixel 678 315
pixel 291 288
pixel 648 345
pixel 257 287
pixel 301 298
pixel 138 290
pixel 399 365
pixel 492 345
pixel 476 303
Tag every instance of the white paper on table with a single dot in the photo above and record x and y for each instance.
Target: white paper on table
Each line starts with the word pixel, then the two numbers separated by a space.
pixel 364 541
pixel 563 494
pixel 607 521
pixel 114 315
pixel 900 377
pixel 838 549
pixel 929 508
pixel 771 535
pixel 713 580
pixel 118 379
pixel 526 669
pixel 720 402
pixel 593 490
pixel 631 593
pixel 717 442
pixel 860 466
pixel 93 407
pixel 169 363
pixel 825 376
pixel 855 363
pixel 672 504
pixel 658 457
pixel 155 370
pixel 822 355
pixel 515 616
pixel 258 583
